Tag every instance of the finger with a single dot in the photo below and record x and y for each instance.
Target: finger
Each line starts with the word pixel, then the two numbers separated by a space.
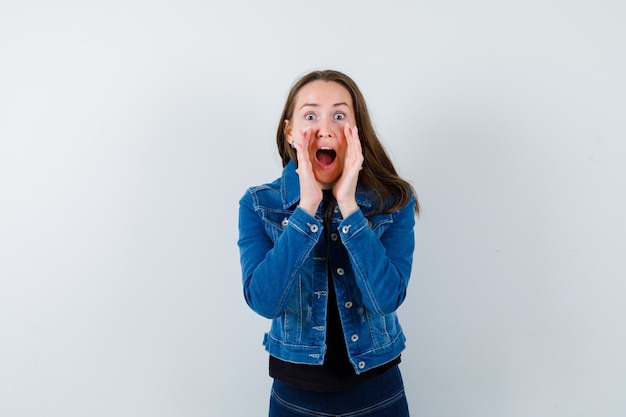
pixel 301 144
pixel 348 132
pixel 351 131
pixel 352 136
pixel 354 145
pixel 302 140
pixel 297 145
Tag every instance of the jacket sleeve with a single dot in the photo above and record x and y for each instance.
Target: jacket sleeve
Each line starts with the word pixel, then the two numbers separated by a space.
pixel 382 265
pixel 271 269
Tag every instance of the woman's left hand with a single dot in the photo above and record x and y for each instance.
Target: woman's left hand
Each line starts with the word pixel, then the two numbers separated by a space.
pixel 345 188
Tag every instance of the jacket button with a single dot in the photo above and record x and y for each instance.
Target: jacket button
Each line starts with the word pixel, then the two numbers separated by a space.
pixel 285 222
pixel 340 271
pixel 345 229
pixel 313 228
pixel 354 337
pixel 333 237
pixel 348 304
pixel 361 365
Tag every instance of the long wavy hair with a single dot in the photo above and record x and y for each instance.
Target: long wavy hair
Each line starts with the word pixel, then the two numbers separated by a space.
pixel 378 174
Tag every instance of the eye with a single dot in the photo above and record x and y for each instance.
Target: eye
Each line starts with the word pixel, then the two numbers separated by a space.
pixel 309 116
pixel 340 116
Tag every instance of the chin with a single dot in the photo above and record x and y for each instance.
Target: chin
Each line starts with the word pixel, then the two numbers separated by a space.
pixel 327 181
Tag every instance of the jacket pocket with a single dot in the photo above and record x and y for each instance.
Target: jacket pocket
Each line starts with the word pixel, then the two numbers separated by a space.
pixel 275 222
pixel 379 223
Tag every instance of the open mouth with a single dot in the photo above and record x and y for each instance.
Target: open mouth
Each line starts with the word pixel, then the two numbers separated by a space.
pixel 325 156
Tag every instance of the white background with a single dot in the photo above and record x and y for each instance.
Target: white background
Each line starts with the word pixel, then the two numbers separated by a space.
pixel 130 129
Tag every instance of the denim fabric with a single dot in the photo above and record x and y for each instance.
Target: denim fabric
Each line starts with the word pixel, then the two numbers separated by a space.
pixel 284 253
pixel 379 397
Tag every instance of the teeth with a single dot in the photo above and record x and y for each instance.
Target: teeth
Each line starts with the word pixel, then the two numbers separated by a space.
pixel 326 148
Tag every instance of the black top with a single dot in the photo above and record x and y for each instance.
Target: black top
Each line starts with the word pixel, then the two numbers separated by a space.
pixel 336 373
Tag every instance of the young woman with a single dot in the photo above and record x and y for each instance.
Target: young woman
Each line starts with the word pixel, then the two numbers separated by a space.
pixel 326 254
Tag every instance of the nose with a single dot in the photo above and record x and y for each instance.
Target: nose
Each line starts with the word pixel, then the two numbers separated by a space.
pixel 324 129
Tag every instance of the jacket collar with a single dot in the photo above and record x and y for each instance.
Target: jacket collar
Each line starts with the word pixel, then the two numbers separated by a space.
pixel 290 188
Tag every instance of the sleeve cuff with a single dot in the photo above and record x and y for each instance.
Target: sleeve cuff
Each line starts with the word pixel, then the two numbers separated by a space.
pixel 352 224
pixel 305 223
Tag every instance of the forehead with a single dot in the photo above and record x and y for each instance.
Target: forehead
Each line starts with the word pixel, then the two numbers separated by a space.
pixel 320 93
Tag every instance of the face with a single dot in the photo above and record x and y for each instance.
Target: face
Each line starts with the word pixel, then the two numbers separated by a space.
pixel 324 107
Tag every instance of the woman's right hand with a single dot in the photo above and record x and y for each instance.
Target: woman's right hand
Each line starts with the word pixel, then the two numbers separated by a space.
pixel 310 191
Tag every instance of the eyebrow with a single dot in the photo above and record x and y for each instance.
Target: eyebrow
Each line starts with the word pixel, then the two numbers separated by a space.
pixel 317 105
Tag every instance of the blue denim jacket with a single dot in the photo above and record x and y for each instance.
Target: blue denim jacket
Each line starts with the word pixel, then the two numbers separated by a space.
pixel 284 253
